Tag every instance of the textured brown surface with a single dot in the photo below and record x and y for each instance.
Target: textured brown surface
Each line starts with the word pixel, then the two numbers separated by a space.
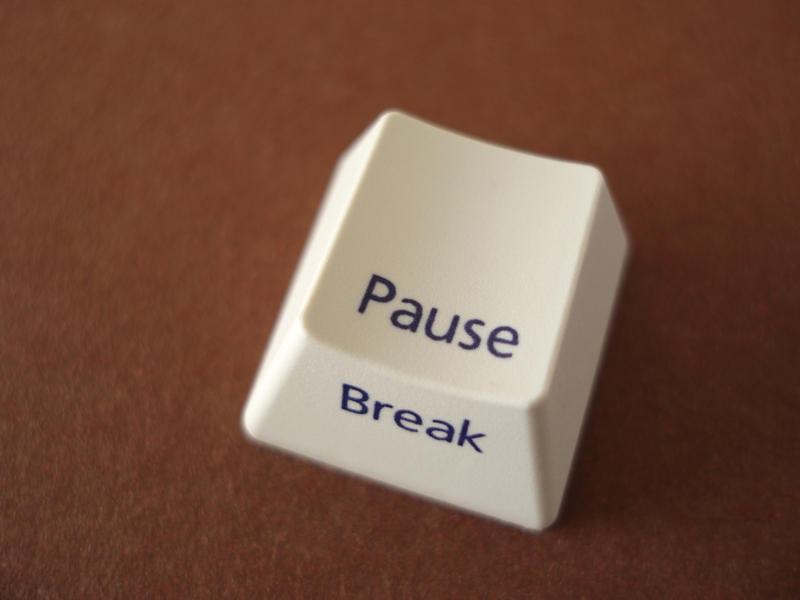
pixel 159 170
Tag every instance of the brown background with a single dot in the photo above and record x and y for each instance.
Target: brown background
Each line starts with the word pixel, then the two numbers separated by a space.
pixel 159 170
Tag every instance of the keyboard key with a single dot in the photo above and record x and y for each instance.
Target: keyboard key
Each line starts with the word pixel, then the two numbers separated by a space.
pixel 446 320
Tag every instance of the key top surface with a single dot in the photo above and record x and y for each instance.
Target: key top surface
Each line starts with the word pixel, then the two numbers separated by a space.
pixel 446 320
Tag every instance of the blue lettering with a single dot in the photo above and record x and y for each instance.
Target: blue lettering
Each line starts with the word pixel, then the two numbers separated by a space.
pixel 382 291
pixel 447 337
pixel 469 328
pixel 355 400
pixel 494 338
pixel 416 316
pixel 463 437
pixel 444 433
pixel 404 417
pixel 348 399
pixel 369 294
pixel 376 413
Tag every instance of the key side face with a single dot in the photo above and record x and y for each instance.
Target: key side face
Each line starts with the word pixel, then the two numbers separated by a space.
pixel 487 239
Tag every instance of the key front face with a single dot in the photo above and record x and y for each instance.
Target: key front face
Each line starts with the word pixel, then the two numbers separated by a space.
pixel 446 320
pixel 335 409
pixel 454 262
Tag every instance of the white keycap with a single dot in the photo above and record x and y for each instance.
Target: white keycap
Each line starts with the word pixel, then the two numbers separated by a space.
pixel 446 320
